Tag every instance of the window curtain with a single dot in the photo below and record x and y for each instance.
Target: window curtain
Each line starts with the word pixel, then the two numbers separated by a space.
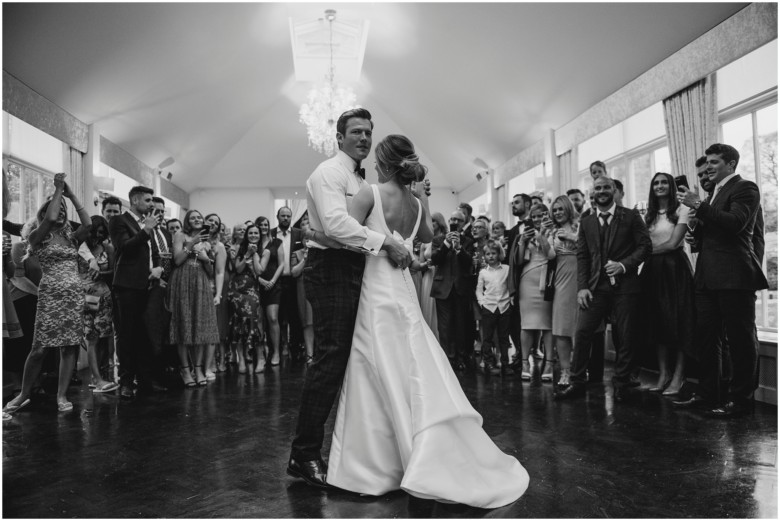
pixel 74 162
pixel 691 120
pixel 298 207
pixel 565 171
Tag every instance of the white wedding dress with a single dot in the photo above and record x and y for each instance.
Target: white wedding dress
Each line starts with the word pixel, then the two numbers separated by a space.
pixel 403 421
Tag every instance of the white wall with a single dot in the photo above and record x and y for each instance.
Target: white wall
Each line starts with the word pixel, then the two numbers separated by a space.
pixel 234 205
pixel 442 200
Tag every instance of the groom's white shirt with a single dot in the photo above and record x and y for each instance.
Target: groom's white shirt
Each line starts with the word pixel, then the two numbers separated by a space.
pixel 329 190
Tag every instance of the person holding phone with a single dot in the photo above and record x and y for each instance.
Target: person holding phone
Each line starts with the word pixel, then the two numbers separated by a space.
pixel 667 285
pixel 191 299
pixel 535 247
pixel 453 288
pixel 245 322
pixel 270 289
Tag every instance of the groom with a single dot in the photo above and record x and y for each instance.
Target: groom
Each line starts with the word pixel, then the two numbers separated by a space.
pixel 332 279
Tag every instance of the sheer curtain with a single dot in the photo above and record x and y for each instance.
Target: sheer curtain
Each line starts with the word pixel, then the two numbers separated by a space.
pixel 74 162
pixel 565 170
pixel 298 207
pixel 691 120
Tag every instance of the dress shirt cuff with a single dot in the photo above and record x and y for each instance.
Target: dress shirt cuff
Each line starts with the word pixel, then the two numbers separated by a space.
pixel 374 241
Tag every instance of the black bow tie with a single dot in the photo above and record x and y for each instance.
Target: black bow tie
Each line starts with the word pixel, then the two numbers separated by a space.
pixel 361 172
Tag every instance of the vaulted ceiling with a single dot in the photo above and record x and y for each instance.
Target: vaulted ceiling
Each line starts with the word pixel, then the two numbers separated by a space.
pixel 213 85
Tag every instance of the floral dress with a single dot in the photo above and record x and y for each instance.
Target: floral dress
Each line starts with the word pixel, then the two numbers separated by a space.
pixel 97 323
pixel 59 318
pixel 244 296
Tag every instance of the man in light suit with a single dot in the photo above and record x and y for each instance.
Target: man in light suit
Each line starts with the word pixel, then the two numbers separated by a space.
pixel 728 274
pixel 292 241
pixel 521 205
pixel 613 241
pixel 131 233
pixel 453 288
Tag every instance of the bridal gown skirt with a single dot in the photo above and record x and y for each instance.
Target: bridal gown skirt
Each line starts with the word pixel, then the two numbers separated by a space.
pixel 403 420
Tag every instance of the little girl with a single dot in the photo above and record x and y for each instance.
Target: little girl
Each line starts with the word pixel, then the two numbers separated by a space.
pixel 494 301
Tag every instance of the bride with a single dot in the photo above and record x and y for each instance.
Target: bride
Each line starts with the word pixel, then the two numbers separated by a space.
pixel 403 421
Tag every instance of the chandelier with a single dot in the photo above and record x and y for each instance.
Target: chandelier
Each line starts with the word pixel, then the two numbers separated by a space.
pixel 324 104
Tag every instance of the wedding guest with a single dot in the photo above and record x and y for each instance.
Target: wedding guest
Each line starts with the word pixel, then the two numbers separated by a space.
pixel 479 231
pixel 98 303
pixel 24 295
pixel 453 289
pixel 304 306
pixel 535 247
pixel 245 322
pixel 498 232
pixel 270 290
pixel 58 319
pixel 191 300
pixel 667 285
pixel 156 317
pixel 597 169
pixel 173 226
pixel 289 323
pixel 467 211
pixel 427 302
pixel 219 284
pixel 494 302
pixel 521 205
pixel 131 233
pixel 111 206
pixel 610 248
pixel 564 313
pixel 231 248
pixel 11 326
pixel 727 276
pixel 577 198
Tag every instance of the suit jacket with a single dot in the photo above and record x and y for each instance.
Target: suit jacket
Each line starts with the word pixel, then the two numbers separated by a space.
pixel 453 269
pixel 628 242
pixel 515 264
pixel 758 236
pixel 156 260
pixel 132 252
pixel 727 257
pixel 296 243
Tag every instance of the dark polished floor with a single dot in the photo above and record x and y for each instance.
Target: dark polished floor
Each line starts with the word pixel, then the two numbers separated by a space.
pixel 221 451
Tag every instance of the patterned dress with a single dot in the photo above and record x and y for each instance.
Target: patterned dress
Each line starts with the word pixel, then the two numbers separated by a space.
pixel 191 303
pixel 59 319
pixel 97 324
pixel 244 298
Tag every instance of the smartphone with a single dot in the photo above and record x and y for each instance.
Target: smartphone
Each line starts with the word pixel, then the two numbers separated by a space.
pixel 529 223
pixel 204 233
pixel 681 180
pixel 453 227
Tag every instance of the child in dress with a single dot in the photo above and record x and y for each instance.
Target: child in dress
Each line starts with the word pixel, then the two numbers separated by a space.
pixel 494 302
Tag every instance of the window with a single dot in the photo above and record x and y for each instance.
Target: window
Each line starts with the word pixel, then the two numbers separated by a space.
pixel 753 132
pixel 633 150
pixel 528 182
pixel 480 206
pixel 28 188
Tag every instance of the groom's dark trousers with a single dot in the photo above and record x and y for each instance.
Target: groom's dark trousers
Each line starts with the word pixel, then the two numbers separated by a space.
pixel 332 280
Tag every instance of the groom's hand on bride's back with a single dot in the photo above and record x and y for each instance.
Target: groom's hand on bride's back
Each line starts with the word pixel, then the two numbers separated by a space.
pixel 397 252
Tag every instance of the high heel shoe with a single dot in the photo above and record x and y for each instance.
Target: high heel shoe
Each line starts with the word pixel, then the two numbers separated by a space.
pixel 200 378
pixel 185 372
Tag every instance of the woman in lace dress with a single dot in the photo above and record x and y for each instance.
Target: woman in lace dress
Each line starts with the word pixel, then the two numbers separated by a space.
pixel 59 320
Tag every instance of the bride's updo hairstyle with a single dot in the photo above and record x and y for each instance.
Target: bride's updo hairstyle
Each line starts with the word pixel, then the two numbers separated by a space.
pixel 396 154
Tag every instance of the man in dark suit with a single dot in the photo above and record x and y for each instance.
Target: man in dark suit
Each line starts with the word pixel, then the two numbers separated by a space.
pixel 521 205
pixel 453 288
pixel 292 241
pixel 613 242
pixel 467 211
pixel 728 273
pixel 131 233
pixel 156 318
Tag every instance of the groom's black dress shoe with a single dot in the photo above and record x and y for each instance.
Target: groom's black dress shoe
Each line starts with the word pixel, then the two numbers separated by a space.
pixel 312 472
pixel 575 390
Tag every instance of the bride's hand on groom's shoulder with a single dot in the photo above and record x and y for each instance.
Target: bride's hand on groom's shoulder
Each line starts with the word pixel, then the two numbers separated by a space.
pixel 424 187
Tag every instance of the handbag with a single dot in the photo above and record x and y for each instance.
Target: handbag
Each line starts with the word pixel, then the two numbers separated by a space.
pixel 91 302
pixel 549 280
